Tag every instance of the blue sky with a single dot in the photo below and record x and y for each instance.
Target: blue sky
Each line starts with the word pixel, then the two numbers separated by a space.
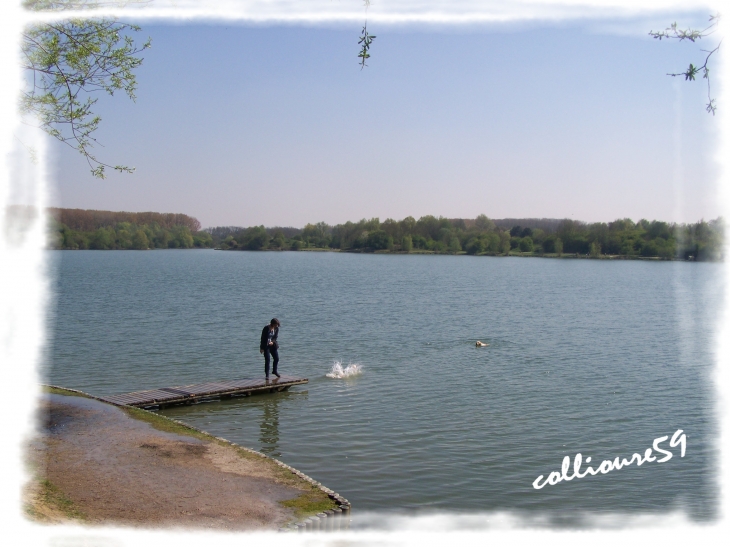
pixel 239 124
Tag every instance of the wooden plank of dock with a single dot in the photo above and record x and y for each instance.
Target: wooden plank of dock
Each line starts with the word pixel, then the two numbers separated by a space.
pixel 194 393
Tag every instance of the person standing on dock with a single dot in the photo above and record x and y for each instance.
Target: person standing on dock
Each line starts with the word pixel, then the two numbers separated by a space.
pixel 269 346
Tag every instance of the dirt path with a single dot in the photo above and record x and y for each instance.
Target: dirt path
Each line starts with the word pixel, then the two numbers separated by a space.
pixel 96 463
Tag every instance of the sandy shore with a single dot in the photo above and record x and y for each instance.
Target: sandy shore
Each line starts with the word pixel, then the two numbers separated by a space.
pixel 99 464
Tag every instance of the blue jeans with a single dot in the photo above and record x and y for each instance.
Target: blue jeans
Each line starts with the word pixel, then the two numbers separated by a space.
pixel 271 351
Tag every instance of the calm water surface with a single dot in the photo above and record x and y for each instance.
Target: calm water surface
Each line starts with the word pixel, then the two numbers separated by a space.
pixel 585 356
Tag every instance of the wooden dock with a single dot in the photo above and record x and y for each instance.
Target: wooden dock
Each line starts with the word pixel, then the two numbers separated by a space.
pixel 197 393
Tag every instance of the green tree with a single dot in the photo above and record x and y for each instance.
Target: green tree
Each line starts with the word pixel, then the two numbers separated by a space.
pixel 504 243
pixel 437 246
pixel 181 238
pixel 379 240
pixel 492 242
pixel 255 238
pixel 628 247
pixel 475 246
pixel 79 240
pixel 70 61
pixel 650 248
pixel 454 245
pixel 102 239
pixel 318 235
pixel 526 245
pixel 458 224
pixel 428 226
pixel 408 225
pixel 392 228
pixel 139 240
pixel 558 246
pixel 595 249
pixel 278 241
pixel 124 237
pixel 548 244
pixel 484 223
pixel 445 235
pixel 407 244
pixel 202 239
pixel 162 238
pixel 56 239
pixel 420 242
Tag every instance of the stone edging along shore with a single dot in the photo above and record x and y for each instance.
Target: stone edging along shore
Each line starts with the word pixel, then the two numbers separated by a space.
pixel 311 523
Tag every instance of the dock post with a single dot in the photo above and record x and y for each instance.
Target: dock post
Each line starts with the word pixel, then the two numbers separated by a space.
pixel 345 516
pixel 330 517
pixel 322 521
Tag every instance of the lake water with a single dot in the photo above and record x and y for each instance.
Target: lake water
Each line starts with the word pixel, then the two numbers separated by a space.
pixel 596 357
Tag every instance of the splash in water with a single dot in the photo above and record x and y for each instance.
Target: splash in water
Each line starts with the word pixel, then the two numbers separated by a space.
pixel 339 372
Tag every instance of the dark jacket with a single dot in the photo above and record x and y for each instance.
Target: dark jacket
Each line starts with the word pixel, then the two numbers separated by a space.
pixel 265 337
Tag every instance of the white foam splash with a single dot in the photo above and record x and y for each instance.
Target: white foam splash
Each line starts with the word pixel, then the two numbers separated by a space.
pixel 339 372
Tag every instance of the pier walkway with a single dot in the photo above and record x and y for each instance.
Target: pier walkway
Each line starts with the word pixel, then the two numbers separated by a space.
pixel 196 393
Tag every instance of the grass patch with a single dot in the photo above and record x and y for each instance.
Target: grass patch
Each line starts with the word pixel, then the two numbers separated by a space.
pixel 309 503
pixel 49 497
pixel 161 423
pixel 280 472
pixel 167 425
pixel 61 391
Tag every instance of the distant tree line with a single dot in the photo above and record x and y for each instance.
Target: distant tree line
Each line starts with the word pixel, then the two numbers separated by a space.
pixel 90 229
pixel 86 220
pixel 484 236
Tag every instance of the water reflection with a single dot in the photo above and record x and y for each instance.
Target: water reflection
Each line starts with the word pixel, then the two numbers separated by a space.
pixel 269 426
pixel 244 418
pixel 269 407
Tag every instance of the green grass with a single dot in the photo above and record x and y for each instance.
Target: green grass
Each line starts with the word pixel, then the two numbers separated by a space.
pixel 61 391
pixel 155 420
pixel 310 502
pixel 50 496
pixel 167 425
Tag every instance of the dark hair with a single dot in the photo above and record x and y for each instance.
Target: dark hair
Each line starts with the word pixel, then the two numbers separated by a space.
pixel 275 321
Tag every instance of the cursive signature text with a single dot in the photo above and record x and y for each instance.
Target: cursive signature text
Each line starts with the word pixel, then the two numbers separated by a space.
pixel 678 439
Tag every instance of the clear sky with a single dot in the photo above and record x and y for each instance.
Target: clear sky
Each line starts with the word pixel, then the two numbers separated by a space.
pixel 241 124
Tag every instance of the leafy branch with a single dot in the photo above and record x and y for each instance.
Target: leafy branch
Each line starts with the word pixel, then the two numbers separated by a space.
pixel 365 40
pixel 68 62
pixel 675 33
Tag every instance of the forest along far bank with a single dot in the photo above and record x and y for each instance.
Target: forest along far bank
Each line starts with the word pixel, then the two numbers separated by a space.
pixel 622 238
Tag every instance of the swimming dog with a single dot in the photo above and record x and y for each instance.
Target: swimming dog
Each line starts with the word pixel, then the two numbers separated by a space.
pixel 481 344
